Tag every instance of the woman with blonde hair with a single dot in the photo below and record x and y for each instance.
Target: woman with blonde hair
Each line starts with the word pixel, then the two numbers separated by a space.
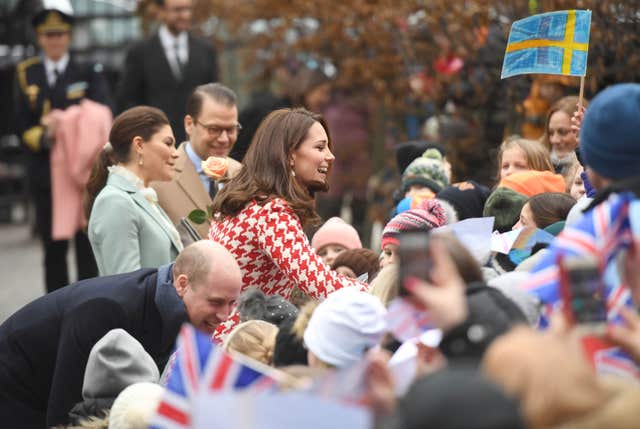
pixel 255 338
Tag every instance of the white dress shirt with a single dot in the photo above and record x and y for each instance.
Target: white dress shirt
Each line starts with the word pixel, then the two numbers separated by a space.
pixel 50 68
pixel 174 47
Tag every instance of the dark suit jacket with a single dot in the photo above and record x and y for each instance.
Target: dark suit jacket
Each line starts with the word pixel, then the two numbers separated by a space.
pixel 185 192
pixel 34 99
pixel 147 79
pixel 44 347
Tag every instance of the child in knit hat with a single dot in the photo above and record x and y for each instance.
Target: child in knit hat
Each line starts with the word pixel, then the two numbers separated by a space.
pixel 333 237
pixel 428 171
pixel 424 218
pixel 504 205
pixel 343 328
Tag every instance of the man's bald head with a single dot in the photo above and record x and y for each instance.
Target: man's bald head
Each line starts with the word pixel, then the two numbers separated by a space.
pixel 199 259
pixel 208 280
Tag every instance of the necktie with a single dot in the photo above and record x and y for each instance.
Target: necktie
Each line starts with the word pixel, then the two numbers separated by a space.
pixel 213 189
pixel 56 75
pixel 179 64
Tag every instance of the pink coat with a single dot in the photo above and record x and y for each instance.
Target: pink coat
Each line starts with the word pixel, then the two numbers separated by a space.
pixel 83 130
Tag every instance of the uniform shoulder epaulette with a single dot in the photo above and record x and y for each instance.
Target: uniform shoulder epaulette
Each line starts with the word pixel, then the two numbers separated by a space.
pixel 21 70
pixel 28 62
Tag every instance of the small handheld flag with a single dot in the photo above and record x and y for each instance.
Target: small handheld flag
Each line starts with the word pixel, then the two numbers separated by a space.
pixel 202 366
pixel 549 43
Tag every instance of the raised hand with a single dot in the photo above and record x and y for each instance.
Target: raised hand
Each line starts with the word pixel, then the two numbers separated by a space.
pixel 445 296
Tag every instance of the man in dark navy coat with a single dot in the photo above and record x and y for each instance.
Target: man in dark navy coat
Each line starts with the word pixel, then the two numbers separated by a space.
pixel 44 346
pixel 51 81
pixel 163 70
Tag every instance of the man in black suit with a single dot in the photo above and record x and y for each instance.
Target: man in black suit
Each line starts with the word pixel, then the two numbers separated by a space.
pixel 44 83
pixel 44 346
pixel 163 70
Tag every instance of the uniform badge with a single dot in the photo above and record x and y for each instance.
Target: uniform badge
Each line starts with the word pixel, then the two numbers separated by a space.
pixel 76 90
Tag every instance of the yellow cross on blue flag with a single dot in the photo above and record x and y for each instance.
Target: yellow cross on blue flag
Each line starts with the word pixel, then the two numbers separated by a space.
pixel 549 43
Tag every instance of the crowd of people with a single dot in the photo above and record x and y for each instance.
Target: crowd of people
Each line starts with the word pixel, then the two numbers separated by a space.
pixel 479 322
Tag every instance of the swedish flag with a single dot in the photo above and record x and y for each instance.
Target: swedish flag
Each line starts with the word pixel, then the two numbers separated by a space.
pixel 550 43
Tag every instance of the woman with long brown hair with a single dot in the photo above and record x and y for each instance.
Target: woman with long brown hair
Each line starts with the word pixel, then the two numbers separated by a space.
pixel 558 137
pixel 260 213
pixel 128 230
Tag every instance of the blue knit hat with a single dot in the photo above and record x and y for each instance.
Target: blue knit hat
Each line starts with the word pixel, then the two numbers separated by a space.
pixel 609 139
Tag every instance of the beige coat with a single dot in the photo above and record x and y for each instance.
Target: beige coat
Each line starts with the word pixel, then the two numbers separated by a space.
pixel 185 192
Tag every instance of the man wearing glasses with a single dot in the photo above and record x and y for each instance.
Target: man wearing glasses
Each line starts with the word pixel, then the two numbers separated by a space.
pixel 52 81
pixel 163 70
pixel 211 123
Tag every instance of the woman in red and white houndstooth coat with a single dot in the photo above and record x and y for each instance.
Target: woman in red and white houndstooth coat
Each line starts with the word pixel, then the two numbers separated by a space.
pixel 260 213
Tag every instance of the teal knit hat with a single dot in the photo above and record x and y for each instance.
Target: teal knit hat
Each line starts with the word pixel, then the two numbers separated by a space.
pixel 428 170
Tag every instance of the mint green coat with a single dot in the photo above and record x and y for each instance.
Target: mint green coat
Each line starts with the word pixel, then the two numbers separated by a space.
pixel 126 232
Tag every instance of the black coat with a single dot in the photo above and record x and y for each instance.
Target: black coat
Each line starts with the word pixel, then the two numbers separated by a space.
pixel 44 346
pixel 147 79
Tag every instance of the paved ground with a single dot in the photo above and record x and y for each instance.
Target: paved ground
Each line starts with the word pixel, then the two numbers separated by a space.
pixel 20 267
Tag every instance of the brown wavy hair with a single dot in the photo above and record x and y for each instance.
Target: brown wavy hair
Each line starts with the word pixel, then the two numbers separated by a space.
pixel 266 172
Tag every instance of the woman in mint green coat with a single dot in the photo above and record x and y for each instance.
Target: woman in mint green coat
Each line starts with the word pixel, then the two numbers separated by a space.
pixel 128 230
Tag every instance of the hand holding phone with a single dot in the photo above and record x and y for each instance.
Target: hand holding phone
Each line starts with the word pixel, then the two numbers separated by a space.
pixel 415 258
pixel 442 294
pixel 583 294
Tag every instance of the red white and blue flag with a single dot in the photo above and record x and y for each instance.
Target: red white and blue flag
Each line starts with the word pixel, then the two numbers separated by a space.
pixel 601 233
pixel 200 366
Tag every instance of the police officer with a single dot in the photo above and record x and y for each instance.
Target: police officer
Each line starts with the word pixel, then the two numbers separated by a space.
pixel 53 81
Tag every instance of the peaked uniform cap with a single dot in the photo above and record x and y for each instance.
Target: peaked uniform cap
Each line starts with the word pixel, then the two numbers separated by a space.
pixel 53 16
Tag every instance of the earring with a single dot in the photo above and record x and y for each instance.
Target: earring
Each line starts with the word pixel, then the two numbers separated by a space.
pixel 293 173
pixel 140 161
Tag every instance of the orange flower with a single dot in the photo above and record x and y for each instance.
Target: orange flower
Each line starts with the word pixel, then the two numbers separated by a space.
pixel 215 167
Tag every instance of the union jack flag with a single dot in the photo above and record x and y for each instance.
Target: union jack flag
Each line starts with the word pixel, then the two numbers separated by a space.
pixel 614 361
pixel 602 233
pixel 200 365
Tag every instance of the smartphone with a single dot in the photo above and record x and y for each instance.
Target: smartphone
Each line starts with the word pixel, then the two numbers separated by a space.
pixel 583 294
pixel 415 257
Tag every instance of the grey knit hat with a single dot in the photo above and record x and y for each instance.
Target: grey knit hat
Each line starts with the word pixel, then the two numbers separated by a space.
pixel 253 304
pixel 116 361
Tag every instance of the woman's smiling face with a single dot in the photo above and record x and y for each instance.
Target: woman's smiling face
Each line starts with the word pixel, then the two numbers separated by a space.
pixel 312 160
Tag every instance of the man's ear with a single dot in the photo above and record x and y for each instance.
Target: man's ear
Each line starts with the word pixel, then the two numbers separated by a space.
pixel 188 125
pixel 181 283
